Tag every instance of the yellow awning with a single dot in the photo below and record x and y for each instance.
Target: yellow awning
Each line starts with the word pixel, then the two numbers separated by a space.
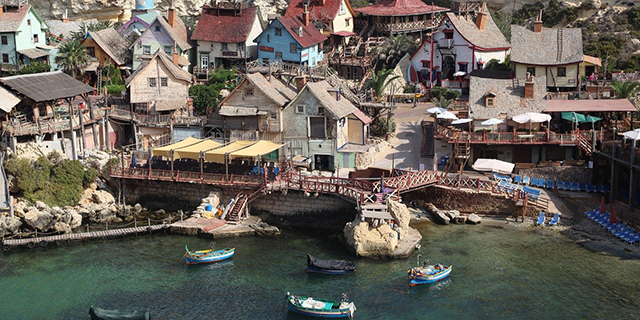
pixel 260 148
pixel 193 151
pixel 166 150
pixel 217 155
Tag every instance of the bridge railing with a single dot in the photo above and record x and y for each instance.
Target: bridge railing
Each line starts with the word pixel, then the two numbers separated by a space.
pixel 188 176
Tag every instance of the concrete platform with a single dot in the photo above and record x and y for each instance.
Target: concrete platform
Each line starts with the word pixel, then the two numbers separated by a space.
pixel 194 227
pixel 214 228
pixel 230 230
pixel 407 246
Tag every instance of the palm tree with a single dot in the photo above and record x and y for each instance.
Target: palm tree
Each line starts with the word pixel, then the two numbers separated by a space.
pixel 625 89
pixel 72 57
pixel 394 48
pixel 442 102
pixel 380 80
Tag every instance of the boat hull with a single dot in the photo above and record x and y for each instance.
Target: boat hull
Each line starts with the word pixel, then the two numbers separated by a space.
pixel 327 271
pixel 424 279
pixel 327 314
pixel 213 257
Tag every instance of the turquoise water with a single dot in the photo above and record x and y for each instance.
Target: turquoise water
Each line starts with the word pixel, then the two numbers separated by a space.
pixel 498 274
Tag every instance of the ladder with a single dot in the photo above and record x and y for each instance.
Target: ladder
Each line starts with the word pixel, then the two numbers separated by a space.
pixel 461 154
pixel 239 205
pixel 99 81
pixel 560 36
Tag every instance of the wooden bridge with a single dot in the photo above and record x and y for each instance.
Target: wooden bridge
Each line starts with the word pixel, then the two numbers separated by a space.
pixel 60 238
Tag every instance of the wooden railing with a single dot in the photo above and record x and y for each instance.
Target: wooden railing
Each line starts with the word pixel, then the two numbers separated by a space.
pixel 49 126
pixel 517 137
pixel 188 176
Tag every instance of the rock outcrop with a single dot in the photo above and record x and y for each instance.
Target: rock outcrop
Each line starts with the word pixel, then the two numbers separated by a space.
pixel 9 225
pixel 474 219
pixel 437 215
pixel 264 229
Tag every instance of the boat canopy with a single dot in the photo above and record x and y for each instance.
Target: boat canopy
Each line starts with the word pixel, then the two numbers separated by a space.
pixel 258 149
pixel 166 150
pixel 193 151
pixel 217 155
pixel 330 264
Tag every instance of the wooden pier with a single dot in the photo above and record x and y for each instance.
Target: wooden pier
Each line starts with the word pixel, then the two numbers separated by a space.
pixel 59 239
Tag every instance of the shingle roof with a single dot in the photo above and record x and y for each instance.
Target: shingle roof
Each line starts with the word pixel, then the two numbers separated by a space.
pixel 543 48
pixel 46 86
pixel 489 38
pixel 33 53
pixel 339 108
pixel 317 11
pixel 177 33
pixel 310 35
pixel 509 101
pixel 59 28
pixel 275 90
pixel 604 105
pixel 10 20
pixel 163 58
pixel 112 43
pixel 224 25
pixel 399 8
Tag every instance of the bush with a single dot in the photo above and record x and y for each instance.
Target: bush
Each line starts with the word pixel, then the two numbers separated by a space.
pixel 380 127
pixel 116 89
pixel 442 92
pixel 58 184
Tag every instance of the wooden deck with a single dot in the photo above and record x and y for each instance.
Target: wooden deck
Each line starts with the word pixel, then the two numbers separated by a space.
pixel 43 241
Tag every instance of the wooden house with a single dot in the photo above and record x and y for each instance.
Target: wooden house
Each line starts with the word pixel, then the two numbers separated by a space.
pixel 292 40
pixel 168 34
pixel 142 16
pixel 389 17
pixel 324 126
pixel 335 18
pixel 253 110
pixel 107 47
pixel 22 36
pixel 553 52
pixel 225 34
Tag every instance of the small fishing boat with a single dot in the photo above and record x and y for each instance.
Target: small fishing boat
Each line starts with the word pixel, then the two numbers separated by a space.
pixel 104 314
pixel 321 308
pixel 315 265
pixel 207 256
pixel 428 273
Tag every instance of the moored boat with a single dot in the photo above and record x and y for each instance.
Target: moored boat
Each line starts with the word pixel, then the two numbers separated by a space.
pixel 207 256
pixel 321 308
pixel 428 274
pixel 104 314
pixel 315 265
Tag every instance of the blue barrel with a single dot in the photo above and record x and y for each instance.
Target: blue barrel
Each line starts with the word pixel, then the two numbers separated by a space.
pixel 208 208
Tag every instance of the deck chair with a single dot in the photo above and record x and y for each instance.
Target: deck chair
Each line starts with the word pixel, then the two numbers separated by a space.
pixel 541 219
pixel 598 188
pixel 542 183
pixel 535 181
pixel 517 179
pixel 550 184
pixel 526 180
pixel 606 188
pixel 591 188
pixel 555 220
pixel 582 186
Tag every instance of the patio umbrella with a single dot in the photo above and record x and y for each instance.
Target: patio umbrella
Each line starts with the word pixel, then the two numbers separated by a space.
pixel 613 218
pixel 633 134
pixel 447 115
pixel 493 165
pixel 592 119
pixel 437 110
pixel 602 207
pixel 531 117
pixel 461 121
pixel 491 122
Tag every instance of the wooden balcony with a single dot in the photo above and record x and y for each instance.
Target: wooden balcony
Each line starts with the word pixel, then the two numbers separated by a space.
pixel 49 125
pixel 399 27
pixel 158 120
pixel 621 150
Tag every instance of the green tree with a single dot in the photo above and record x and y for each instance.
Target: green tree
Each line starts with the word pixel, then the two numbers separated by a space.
pixel 380 81
pixel 72 57
pixel 394 48
pixel 442 102
pixel 33 67
pixel 95 26
pixel 204 97
pixel 625 89
pixel 495 64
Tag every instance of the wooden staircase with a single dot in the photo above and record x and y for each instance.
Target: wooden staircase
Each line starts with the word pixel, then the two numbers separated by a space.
pixel 239 205
pixel 585 145
pixel 461 154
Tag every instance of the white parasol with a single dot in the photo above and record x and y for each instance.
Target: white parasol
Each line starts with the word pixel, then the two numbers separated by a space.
pixel 461 121
pixel 491 122
pixel 633 134
pixel 493 165
pixel 436 110
pixel 531 117
pixel 447 115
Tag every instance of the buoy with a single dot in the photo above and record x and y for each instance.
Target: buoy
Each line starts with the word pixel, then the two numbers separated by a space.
pixel 58 242
pixel 43 243
pixel 31 245
pixel 165 226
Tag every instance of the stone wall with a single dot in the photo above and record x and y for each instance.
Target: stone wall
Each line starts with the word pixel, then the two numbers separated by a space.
pixel 465 201
pixel 571 174
pixel 171 196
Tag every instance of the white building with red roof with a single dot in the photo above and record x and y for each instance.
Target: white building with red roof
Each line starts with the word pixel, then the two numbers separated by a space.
pixel 334 17
pixel 225 35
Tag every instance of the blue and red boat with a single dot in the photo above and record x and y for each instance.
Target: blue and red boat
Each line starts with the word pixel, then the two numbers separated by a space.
pixel 321 308
pixel 315 265
pixel 428 274
pixel 207 256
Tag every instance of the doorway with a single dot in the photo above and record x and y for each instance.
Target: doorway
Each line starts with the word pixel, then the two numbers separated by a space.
pixel 323 162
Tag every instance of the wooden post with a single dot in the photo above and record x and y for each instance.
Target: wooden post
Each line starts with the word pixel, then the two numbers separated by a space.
pixel 632 194
pixel 149 221
pixel 135 222
pixel 107 225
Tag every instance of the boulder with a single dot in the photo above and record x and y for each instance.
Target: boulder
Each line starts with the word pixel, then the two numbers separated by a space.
pixel 401 216
pixel 137 208
pixel 103 197
pixel 367 241
pixel 452 214
pixel 40 220
pixel 265 230
pixel 20 207
pixel 9 225
pixel 160 212
pixel 460 220
pixel 87 194
pixel 473 219
pixel 437 215
pixel 41 206
pixel 61 227
pixel 102 216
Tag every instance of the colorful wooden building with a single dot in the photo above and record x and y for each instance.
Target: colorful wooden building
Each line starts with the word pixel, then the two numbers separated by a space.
pixel 389 17
pixel 22 36
pixel 334 17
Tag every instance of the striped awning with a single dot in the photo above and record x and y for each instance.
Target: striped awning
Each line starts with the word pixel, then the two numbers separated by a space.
pixel 166 150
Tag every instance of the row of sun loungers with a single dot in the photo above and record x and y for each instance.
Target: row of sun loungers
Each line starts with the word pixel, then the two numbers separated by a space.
pixel 532 194
pixel 541 219
pixel 620 230
pixel 550 184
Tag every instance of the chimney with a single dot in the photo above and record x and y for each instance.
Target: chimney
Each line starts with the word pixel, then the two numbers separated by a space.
pixel 1 9
pixel 300 82
pixel 323 2
pixel 481 18
pixel 65 18
pixel 176 57
pixel 537 25
pixel 305 15
pixel 529 87
pixel 171 16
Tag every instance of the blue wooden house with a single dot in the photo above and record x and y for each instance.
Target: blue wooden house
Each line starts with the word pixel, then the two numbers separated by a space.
pixel 22 36
pixel 141 17
pixel 291 39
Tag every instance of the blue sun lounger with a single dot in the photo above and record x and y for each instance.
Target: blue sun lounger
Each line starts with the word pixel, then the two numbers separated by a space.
pixel 555 220
pixel 550 184
pixel 541 219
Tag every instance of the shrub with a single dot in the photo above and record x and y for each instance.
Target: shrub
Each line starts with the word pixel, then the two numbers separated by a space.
pixel 116 89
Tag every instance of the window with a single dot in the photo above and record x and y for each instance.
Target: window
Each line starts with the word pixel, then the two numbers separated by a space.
pixel 448 34
pixel 167 49
pixel 490 103
pixel 480 65
pixel 5 40
pixel 531 71
pixel 240 46
pixel 156 29
pixel 248 92
pixel 152 82
pixel 300 32
pixel 342 8
pixel 278 32
pixel 35 38
pixel 5 58
pixel 146 49
pixel 293 48
pixel 317 127
pixel 91 51
pixel 273 115
pixel 346 22
pixel 278 55
pixel 426 64
pixel 321 111
pixel 28 22
pixel 300 108
pixel 267 38
pixel 164 82
pixel 462 67
pixel 225 46
pixel 562 71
